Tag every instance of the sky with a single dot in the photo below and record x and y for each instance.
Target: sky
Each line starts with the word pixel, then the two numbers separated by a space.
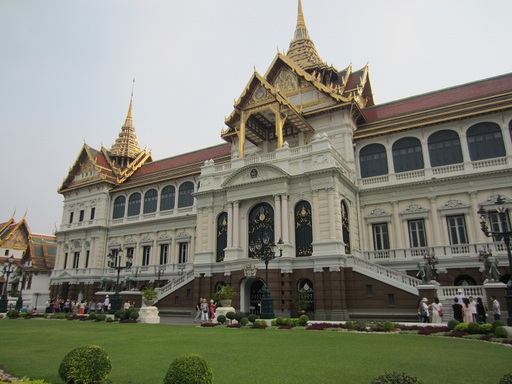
pixel 67 70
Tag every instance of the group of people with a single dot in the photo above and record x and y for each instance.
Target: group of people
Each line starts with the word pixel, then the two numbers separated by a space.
pixel 465 309
pixel 205 310
pixel 81 307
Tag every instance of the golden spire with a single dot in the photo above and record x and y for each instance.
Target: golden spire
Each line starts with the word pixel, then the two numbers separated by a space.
pixel 126 147
pixel 302 49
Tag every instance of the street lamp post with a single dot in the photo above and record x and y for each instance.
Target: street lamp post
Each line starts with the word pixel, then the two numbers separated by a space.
pixel 6 271
pixel 504 233
pixel 115 257
pixel 264 250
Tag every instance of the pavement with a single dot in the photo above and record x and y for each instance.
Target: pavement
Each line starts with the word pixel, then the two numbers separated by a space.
pixel 178 320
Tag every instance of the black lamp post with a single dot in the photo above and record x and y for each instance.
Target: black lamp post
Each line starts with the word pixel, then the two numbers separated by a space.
pixel 22 273
pixel 500 232
pixel 264 250
pixel 6 271
pixel 115 257
pixel 159 274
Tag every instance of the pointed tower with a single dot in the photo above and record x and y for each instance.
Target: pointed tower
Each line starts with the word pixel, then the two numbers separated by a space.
pixel 126 148
pixel 302 49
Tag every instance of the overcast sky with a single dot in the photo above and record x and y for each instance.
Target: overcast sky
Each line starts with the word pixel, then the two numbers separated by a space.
pixel 66 70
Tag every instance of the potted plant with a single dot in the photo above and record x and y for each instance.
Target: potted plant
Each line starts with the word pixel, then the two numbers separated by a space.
pixel 225 295
pixel 149 296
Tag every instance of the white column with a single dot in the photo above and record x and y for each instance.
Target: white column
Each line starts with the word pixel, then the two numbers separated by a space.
pixel 475 233
pixel 199 229
pixel 315 218
pixel 285 219
pixel 211 229
pixel 397 226
pixel 230 225
pixel 277 218
pixel 236 224
pixel 436 221
pixel 332 210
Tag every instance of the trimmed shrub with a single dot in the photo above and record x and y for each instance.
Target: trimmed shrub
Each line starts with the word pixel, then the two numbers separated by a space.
pixel 506 379
pixel 395 378
pixel 474 328
pixel 501 332
pixel 239 316
pixel 252 317
pixel 134 315
pixel 350 325
pixel 88 364
pixel 486 328
pixel 496 324
pixel 221 319
pixel 260 323
pixel 389 326
pixel 12 314
pixel 452 324
pixel 189 369
pixel 100 317
pixel 462 327
pixel 120 314
pixel 360 326
pixel 280 321
pixel 303 320
pixel 92 316
pixel 230 316
pixel 244 321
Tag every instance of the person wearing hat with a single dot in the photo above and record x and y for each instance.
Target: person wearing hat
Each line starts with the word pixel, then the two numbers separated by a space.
pixel 425 318
pixel 460 295
pixel 106 302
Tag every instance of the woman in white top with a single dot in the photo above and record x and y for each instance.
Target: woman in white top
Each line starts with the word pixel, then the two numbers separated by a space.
pixel 437 310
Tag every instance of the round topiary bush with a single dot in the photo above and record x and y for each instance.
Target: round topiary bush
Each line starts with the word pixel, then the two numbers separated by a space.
pixel 230 315
pixel 452 324
pixel 189 369
pixel 501 332
pixel 461 327
pixel 120 314
pixel 88 364
pixel 496 324
pixel 303 320
pixel 244 321
pixel 474 328
pixel 395 378
pixel 506 379
pixel 239 316
pixel 92 316
pixel 221 319
pixel 100 317
pixel 134 315
pixel 252 317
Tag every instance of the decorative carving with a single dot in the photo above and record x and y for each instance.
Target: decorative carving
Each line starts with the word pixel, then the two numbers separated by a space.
pixel 378 212
pixel 286 81
pixel 250 269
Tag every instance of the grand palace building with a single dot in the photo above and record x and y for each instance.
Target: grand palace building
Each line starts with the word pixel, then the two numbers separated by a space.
pixel 358 195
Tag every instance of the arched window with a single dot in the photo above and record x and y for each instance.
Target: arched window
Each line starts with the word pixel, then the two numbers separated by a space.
pixel 303 229
pixel 150 201
pixel 510 129
pixel 222 235
pixel 185 195
pixel 485 141
pixel 345 227
pixel 167 198
pixel 134 204
pixel 305 295
pixel 119 205
pixel 407 155
pixel 444 148
pixel 261 229
pixel 373 160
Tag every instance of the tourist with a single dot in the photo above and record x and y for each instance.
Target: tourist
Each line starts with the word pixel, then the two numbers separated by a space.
pixel 198 310
pixel 204 311
pixel 480 310
pixel 425 318
pixel 457 310
pixel 460 295
pixel 472 302
pixel 496 308
pixel 466 309
pixel 126 305
pixel 106 304
pixel 437 311
pixel 212 309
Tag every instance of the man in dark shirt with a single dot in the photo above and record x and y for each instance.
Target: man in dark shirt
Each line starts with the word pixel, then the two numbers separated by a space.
pixel 457 310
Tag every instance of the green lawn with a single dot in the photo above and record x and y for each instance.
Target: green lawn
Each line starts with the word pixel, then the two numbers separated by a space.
pixel 142 353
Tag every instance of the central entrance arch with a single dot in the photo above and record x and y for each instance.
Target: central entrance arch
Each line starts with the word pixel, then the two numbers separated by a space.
pixel 251 290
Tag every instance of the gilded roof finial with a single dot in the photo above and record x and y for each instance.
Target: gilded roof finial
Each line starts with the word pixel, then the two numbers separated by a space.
pixel 301 31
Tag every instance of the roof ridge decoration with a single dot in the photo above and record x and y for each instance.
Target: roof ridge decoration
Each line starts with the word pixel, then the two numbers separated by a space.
pixel 302 49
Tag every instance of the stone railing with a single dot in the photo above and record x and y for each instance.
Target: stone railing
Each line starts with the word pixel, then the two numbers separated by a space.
pixel 175 283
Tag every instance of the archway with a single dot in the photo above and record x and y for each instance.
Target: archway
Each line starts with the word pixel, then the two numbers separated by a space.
pixel 251 291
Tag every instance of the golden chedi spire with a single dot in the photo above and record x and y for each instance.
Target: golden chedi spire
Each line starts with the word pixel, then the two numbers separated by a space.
pixel 126 147
pixel 302 49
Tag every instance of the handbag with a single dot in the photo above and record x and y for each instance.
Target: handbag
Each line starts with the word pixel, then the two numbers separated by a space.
pixel 440 313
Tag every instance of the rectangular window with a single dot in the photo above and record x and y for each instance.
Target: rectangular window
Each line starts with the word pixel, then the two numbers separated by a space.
pixel 417 236
pixel 87 255
pixel 146 253
pixel 369 290
pixel 93 213
pixel 391 299
pixel 495 224
pixel 183 257
pixel 71 215
pixel 164 252
pixel 65 260
pixel 457 229
pixel 380 236
pixel 81 216
pixel 76 260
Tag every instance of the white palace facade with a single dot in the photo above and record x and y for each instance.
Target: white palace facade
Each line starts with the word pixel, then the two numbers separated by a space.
pixel 357 192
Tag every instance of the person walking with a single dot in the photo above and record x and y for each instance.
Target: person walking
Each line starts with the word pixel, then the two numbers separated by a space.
pixel 212 309
pixel 106 303
pixel 480 310
pixel 496 308
pixel 437 311
pixel 472 302
pixel 425 318
pixel 204 311
pixel 457 310
pixel 198 310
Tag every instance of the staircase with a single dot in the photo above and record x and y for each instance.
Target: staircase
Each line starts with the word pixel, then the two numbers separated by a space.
pixel 175 284
pixel 386 275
